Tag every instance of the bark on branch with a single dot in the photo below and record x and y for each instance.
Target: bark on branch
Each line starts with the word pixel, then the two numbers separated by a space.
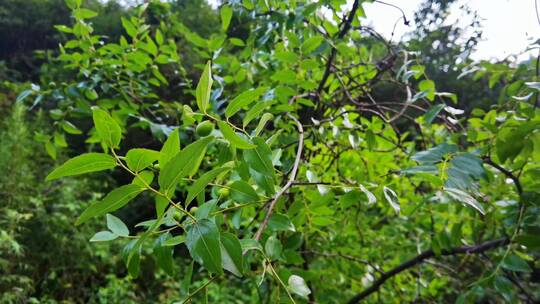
pixel 421 258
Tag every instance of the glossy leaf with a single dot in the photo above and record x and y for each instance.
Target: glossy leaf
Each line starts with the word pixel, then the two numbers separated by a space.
pixel 84 163
pixel 139 159
pixel 204 88
pixel 242 192
pixel 203 242
pixel 107 128
pixel 115 200
pixel 234 139
pixel 231 254
pixel 182 164
pixel 199 185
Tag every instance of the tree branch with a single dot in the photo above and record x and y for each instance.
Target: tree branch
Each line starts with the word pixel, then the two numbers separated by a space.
pixel 346 27
pixel 421 258
pixel 289 183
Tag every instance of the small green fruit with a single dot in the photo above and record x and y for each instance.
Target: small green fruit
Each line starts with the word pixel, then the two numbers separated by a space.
pixel 193 209
pixel 223 192
pixel 178 215
pixel 204 128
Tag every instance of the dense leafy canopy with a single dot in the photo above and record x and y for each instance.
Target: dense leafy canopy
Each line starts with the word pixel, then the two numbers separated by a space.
pixel 289 153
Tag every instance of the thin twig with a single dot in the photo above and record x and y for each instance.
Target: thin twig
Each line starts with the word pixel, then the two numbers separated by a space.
pixel 421 258
pixel 292 176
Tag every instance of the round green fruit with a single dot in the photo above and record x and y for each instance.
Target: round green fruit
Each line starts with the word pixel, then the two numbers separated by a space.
pixel 204 128
pixel 178 215
pixel 223 192
pixel 193 209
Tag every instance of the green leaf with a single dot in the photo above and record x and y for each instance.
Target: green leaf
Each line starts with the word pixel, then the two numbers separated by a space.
pixel 298 286
pixel 310 44
pixel 199 185
pixel 515 263
pixel 115 200
pixel 103 236
pixel 254 112
pixel 164 254
pixel 231 254
pixel 260 158
pixel 391 198
pixel 84 163
pixel 131 30
pixel 143 178
pixel 203 243
pixel 504 286
pixel 84 13
pixel 233 138
pixel 466 198
pixel 226 15
pixel 170 148
pixel 280 222
pixel 273 248
pixel 250 244
pixel 177 240
pixel 108 130
pixel 242 100
pixel 262 122
pixel 186 282
pixel 70 128
pixel 433 112
pixel 139 159
pixel 117 226
pixel 204 88
pixel 183 163
pixel 242 192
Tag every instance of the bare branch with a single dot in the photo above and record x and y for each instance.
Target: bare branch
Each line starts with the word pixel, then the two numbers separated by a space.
pixel 421 258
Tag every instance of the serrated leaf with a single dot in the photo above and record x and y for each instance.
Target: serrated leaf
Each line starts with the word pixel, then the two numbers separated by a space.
pixel 203 243
pixel 234 139
pixel 204 88
pixel 107 128
pixel 138 159
pixel 84 163
pixel 183 163
pixel 116 226
pixel 115 200
pixel 199 185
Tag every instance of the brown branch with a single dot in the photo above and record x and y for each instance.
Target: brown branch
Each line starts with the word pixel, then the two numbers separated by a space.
pixel 341 34
pixel 289 183
pixel 421 258
pixel 508 174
